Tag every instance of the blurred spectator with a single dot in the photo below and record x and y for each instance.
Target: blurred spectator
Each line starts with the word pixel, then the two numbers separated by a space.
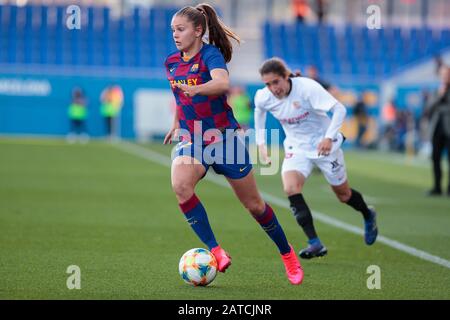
pixel 389 113
pixel 313 73
pixel 388 120
pixel 111 103
pixel 321 9
pixel 410 139
pixel 77 115
pixel 296 73
pixel 438 62
pixel 424 143
pixel 240 102
pixel 401 129
pixel 301 9
pixel 362 120
pixel 438 112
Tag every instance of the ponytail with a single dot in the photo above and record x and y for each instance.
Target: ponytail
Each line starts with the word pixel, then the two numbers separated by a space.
pixel 218 32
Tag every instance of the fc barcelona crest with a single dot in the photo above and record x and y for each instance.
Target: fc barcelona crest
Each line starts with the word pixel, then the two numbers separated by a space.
pixel 194 67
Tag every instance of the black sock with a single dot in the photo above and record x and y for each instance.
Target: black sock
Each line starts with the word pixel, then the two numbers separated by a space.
pixel 356 201
pixel 303 215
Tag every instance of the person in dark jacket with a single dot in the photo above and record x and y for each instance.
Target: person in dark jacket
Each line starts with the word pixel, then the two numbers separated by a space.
pixel 438 113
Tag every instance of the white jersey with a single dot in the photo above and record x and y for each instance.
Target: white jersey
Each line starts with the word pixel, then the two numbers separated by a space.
pixel 302 114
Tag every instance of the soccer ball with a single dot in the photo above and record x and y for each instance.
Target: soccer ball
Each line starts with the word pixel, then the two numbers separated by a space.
pixel 198 267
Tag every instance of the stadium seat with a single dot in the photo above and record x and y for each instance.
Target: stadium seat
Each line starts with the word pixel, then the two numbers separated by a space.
pixel 352 49
pixel 33 35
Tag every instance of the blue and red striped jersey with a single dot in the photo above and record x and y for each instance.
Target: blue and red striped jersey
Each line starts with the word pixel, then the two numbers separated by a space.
pixel 213 111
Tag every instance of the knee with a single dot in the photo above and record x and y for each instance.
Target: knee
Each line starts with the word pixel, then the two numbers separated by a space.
pixel 291 190
pixel 255 207
pixel 183 191
pixel 344 196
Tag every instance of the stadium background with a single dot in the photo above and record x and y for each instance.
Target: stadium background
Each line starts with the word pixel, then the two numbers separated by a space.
pixel 126 42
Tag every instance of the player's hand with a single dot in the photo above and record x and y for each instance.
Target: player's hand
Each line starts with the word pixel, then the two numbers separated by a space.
pixel 324 147
pixel 263 156
pixel 172 134
pixel 188 91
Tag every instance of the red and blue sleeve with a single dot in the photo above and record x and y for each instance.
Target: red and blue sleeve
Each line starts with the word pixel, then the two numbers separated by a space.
pixel 213 59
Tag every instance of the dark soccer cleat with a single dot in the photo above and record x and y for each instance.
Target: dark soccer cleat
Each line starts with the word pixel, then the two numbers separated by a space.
pixel 313 251
pixel 434 193
pixel 370 227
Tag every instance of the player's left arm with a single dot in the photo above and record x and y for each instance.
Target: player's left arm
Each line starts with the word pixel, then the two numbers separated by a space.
pixel 322 100
pixel 260 117
pixel 337 120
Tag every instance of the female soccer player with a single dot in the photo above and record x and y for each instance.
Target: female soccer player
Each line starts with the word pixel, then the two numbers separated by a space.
pixel 199 79
pixel 301 106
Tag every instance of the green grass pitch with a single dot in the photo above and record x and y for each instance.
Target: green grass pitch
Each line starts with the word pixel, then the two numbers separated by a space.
pixel 114 215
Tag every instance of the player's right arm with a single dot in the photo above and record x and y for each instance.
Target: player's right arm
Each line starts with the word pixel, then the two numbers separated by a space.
pixel 260 125
pixel 175 124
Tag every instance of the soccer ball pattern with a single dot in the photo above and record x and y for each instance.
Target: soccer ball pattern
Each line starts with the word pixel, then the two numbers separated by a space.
pixel 198 267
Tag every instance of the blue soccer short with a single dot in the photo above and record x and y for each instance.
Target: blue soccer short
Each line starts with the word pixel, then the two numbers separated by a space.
pixel 228 157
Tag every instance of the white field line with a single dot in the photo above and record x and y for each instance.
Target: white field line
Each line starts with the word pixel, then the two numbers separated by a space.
pixel 369 199
pixel 163 160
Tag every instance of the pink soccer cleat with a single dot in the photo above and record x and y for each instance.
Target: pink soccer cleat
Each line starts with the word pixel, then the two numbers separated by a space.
pixel 223 258
pixel 293 268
